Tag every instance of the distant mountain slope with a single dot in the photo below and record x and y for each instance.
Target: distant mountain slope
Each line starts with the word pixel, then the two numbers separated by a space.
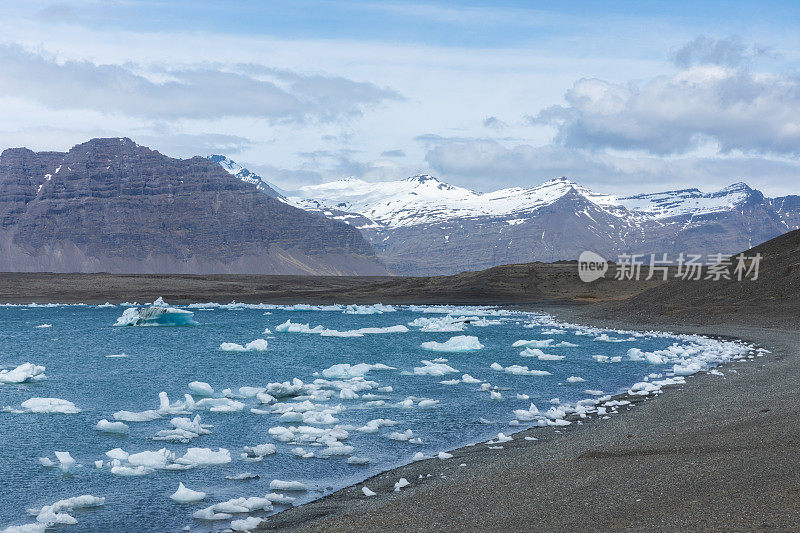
pixel 773 299
pixel 112 205
pixel 423 226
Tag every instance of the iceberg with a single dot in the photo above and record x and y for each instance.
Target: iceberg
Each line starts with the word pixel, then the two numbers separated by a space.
pixel 459 343
pixel 24 373
pixel 159 314
pixel 186 495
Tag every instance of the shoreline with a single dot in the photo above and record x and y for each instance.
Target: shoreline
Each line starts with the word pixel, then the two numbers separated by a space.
pixel 613 442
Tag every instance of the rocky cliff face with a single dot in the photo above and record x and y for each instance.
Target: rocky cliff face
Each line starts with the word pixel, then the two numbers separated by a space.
pixel 112 205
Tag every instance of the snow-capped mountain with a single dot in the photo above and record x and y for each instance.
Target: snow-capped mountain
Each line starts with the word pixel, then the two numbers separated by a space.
pixel 235 169
pixel 421 225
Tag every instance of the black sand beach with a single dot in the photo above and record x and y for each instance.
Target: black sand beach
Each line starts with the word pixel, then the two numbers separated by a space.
pixel 717 454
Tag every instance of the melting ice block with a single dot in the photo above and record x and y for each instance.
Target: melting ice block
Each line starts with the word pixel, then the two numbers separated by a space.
pixel 156 315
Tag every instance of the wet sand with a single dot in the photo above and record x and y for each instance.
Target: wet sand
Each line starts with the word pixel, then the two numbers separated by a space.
pixel 717 454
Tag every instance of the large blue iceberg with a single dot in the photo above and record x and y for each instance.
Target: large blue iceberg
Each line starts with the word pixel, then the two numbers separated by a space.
pixel 158 314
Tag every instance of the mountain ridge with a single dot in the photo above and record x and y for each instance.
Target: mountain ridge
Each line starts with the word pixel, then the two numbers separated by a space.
pixel 113 205
pixel 423 226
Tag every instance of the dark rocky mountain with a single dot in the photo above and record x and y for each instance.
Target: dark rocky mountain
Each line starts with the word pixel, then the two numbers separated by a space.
pixel 112 205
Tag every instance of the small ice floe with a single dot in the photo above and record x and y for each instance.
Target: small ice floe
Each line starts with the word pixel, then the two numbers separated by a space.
pixel 105 426
pixel 607 359
pixel 518 370
pixel 527 415
pixel 24 373
pixel 375 309
pixel 242 477
pixel 45 406
pixel 258 452
pixel 289 486
pixel 466 378
pixel 530 438
pixel 575 379
pixel 57 513
pixel 258 345
pixel 65 461
pixel 450 381
pixel 593 392
pixel 496 396
pixel 185 430
pixel 606 338
pixel 715 372
pixel 44 326
pixel 373 425
pixel 419 456
pixel 347 371
pixel 116 356
pixel 544 343
pixel 427 404
pixel 186 495
pixel 225 510
pixel 501 438
pixel 201 388
pixel 444 455
pixel 367 492
pixel 433 369
pixel 159 314
pixel 404 436
pixel 523 397
pixel 358 461
pixel 401 483
pixel 459 343
pixel 291 327
pixel 539 354
pixel 246 524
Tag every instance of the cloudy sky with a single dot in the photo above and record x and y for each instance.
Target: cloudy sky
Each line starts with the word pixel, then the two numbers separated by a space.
pixel 617 96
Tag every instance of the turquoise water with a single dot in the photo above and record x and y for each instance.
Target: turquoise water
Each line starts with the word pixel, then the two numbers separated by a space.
pixel 75 349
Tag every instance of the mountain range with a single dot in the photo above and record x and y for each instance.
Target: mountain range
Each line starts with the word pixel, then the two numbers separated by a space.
pixel 111 205
pixel 423 226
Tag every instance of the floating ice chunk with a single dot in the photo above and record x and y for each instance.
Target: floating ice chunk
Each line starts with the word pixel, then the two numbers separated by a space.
pixel 186 495
pixel 358 461
pixel 220 405
pixel 496 396
pixel 527 415
pixel 46 462
pixel 66 462
pixel 523 397
pixel 444 455
pixel 201 388
pixel 158 315
pixel 433 369
pixel 375 309
pixel 242 477
pixel 347 371
pixel 116 356
pixel 24 373
pixel 98 464
pixel 593 392
pixel 605 338
pixel 246 524
pixel 459 343
pixel 203 457
pixel 209 514
pixel 58 512
pixel 259 451
pixel 152 459
pixel 401 436
pixel 501 438
pixel 367 492
pixel 419 456
pixel 466 378
pixel 118 453
pixel 44 326
pixel 290 486
pixel 536 352
pixel 575 379
pixel 446 324
pixel 141 416
pixel 111 427
pixel 545 343
pixel 282 390
pixel 428 404
pixel 48 405
pixel 373 425
pixel 231 347
pixel 450 382
pixel 258 345
pixel 401 483
pixel 518 370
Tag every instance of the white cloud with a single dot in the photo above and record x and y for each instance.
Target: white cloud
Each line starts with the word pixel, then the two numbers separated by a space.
pixel 200 91
pixel 734 108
